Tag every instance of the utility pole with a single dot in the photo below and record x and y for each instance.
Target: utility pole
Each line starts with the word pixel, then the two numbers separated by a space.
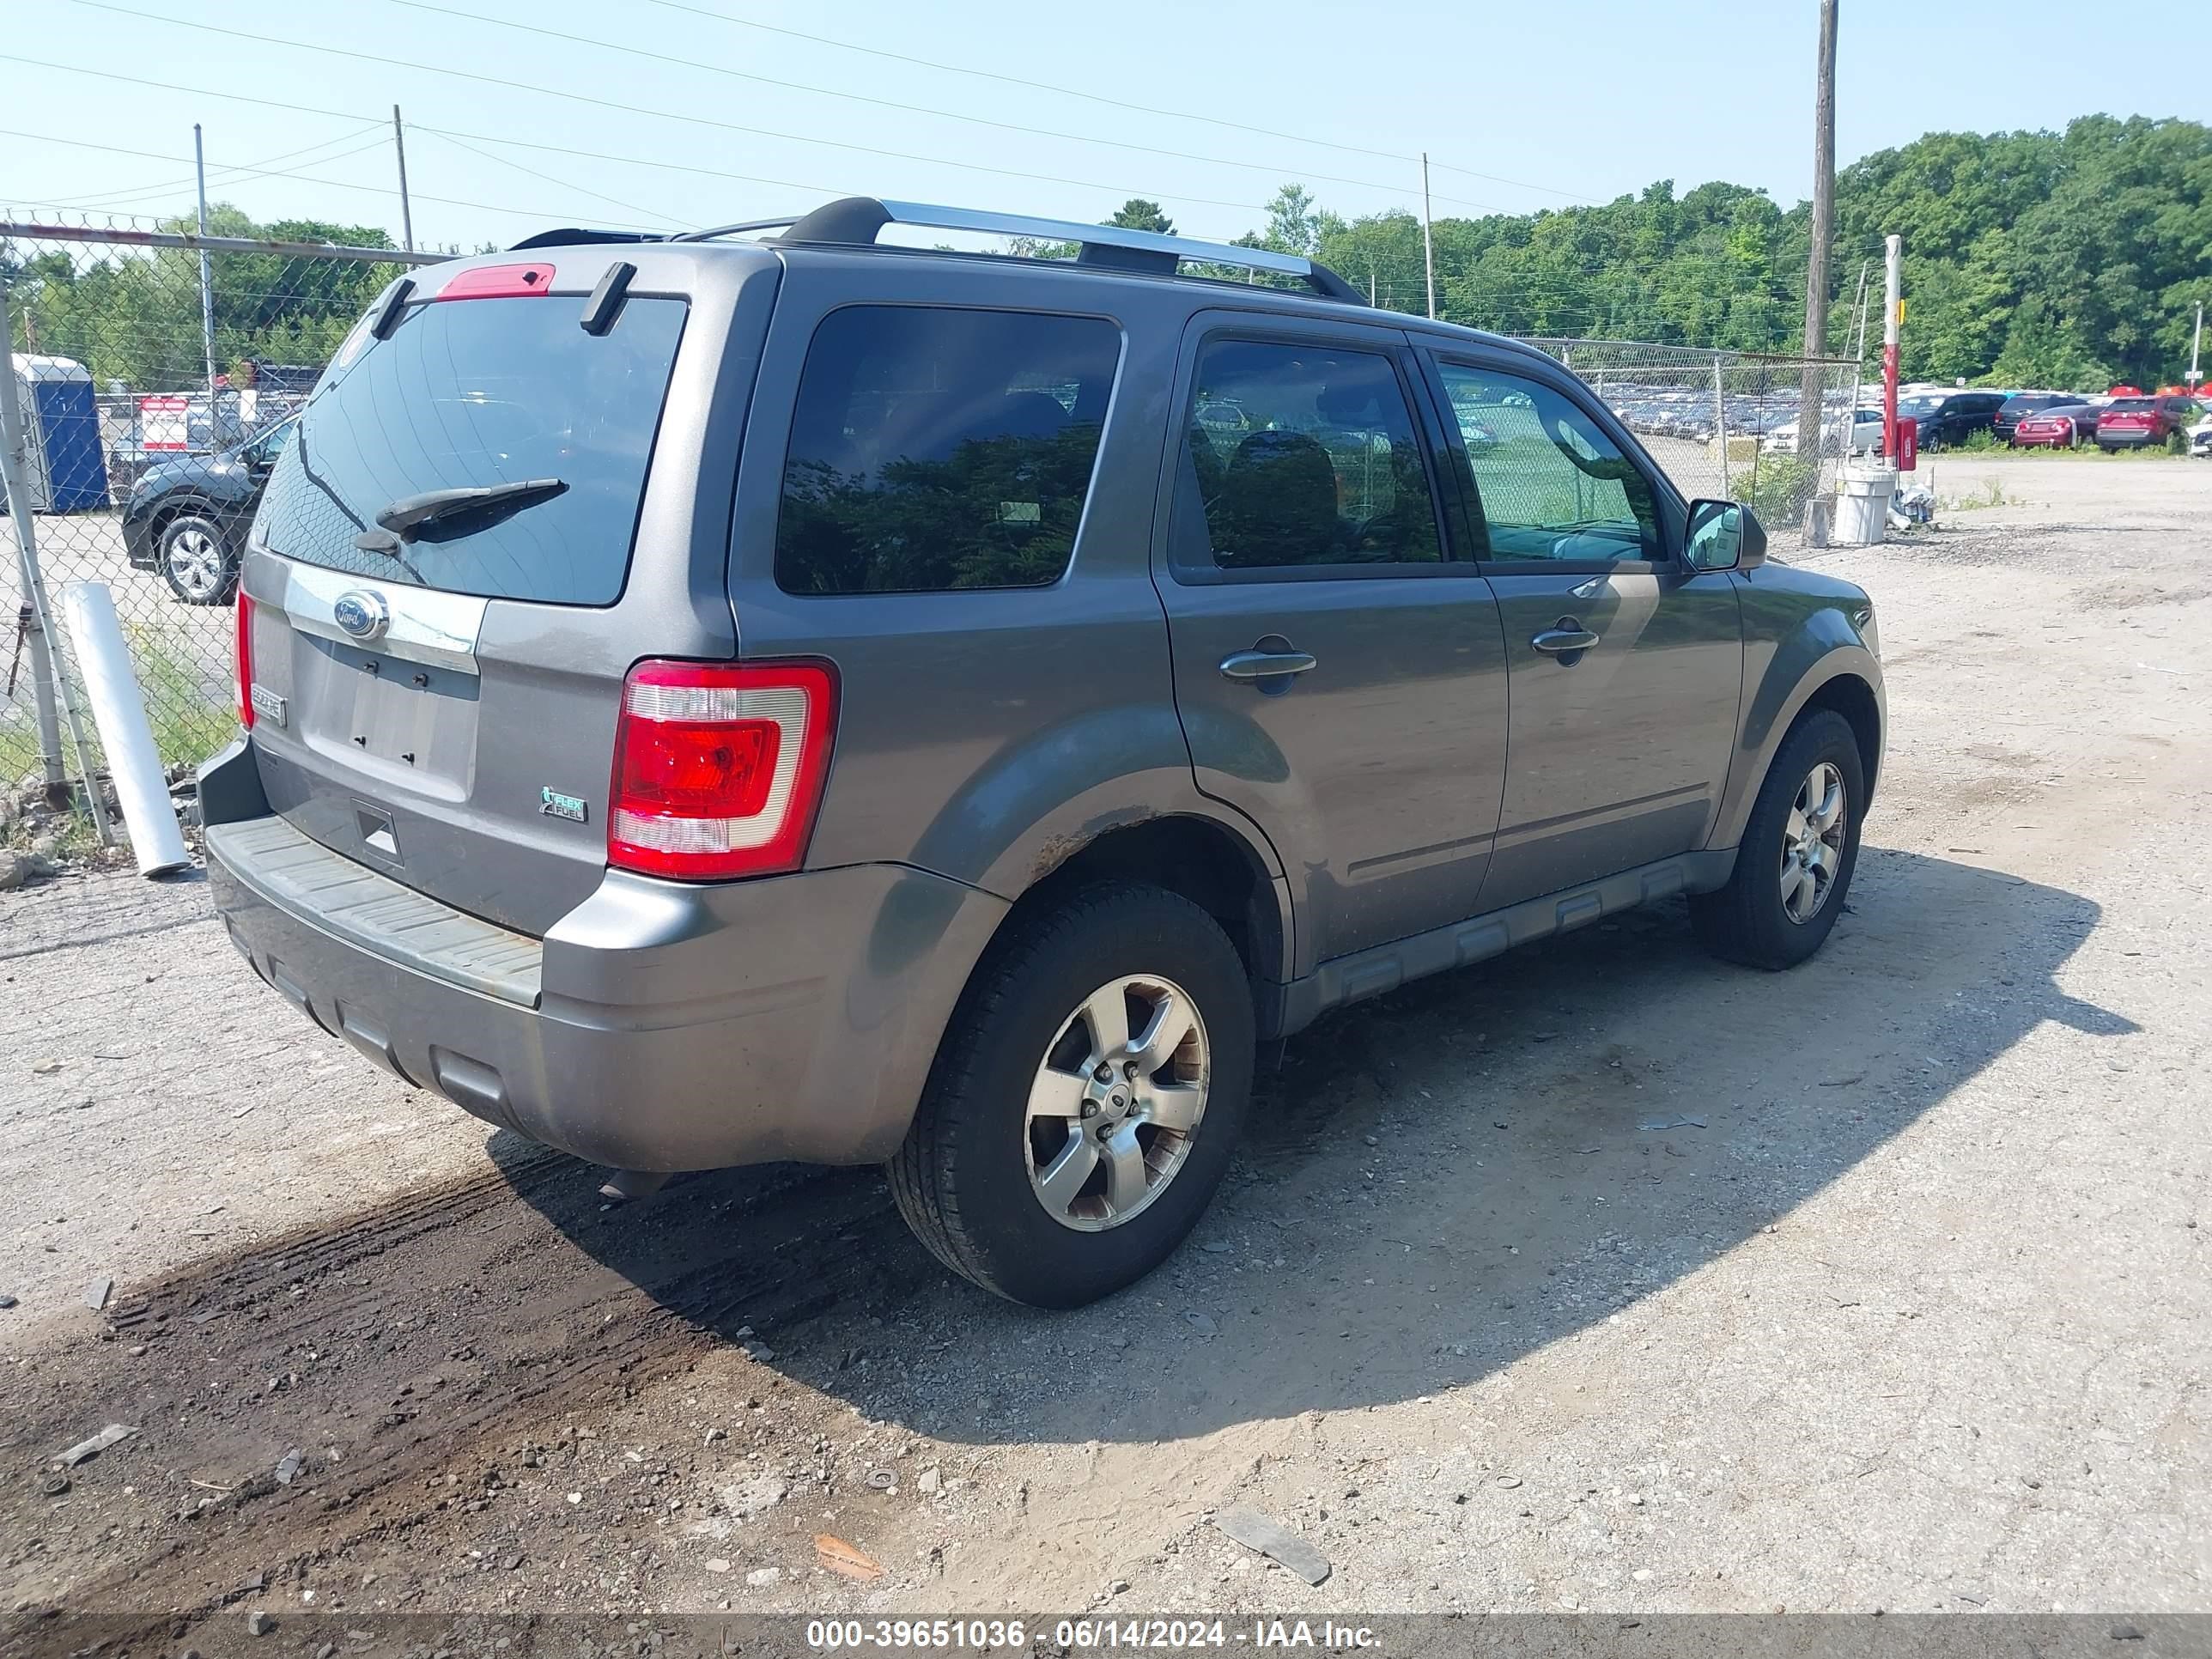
pixel 2195 342
pixel 406 210
pixel 207 289
pixel 1823 230
pixel 1428 238
pixel 1892 314
pixel 1858 369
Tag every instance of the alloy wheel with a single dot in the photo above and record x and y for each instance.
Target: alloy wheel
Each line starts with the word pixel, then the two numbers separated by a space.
pixel 195 562
pixel 1116 1102
pixel 1813 843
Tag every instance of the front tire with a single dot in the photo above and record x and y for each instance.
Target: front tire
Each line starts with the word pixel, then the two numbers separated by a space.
pixel 1085 1100
pixel 1793 868
pixel 193 555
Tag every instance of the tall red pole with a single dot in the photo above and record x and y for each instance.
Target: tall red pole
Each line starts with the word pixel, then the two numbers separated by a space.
pixel 1893 307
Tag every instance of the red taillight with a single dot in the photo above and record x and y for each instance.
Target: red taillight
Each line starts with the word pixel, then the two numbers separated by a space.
pixel 719 769
pixel 245 620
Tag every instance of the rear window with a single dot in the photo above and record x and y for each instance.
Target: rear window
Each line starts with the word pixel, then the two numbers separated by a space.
pixel 934 449
pixel 472 392
pixel 2130 406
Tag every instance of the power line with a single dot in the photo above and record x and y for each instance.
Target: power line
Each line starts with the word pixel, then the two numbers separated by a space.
pixel 1098 98
pixel 441 132
pixel 285 173
pixel 651 213
pixel 218 174
pixel 639 109
pixel 1270 167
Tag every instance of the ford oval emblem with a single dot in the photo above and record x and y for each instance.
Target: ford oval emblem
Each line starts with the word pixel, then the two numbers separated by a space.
pixel 362 613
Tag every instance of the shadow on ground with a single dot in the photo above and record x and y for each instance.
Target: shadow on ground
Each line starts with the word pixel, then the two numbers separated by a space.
pixel 1434 1183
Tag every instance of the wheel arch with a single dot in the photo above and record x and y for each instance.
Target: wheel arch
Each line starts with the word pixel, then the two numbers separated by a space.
pixel 1823 666
pixel 158 522
pixel 1216 866
pixel 1850 696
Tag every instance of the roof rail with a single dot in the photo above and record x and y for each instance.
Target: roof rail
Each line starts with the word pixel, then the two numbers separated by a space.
pixel 854 220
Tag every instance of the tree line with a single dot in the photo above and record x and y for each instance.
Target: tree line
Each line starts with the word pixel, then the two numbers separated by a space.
pixel 2071 260
pixel 135 318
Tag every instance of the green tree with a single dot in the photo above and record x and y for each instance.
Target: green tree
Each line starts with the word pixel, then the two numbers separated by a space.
pixel 1138 214
pixel 2063 259
pixel 134 315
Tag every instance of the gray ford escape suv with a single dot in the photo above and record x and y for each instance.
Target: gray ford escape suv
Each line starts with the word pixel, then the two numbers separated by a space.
pixel 732 699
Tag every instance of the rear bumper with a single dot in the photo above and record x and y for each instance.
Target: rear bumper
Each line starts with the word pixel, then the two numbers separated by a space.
pixel 2127 440
pixel 666 1026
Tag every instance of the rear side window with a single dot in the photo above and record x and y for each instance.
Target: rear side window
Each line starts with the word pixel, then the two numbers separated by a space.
pixel 466 393
pixel 1303 455
pixel 934 449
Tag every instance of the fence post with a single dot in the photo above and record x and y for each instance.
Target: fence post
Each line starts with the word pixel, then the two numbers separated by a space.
pixel 37 619
pixel 30 623
pixel 1720 423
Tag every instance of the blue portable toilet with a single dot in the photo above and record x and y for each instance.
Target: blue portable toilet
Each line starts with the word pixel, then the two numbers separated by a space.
pixel 69 473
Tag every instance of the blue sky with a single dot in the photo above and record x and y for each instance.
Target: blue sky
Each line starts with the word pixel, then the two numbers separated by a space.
pixel 1520 107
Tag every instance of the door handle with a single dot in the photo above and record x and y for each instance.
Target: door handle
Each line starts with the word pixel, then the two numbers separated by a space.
pixel 1265 665
pixel 1564 641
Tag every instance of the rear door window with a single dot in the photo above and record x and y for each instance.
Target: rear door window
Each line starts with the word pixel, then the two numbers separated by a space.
pixel 935 449
pixel 466 393
pixel 1302 455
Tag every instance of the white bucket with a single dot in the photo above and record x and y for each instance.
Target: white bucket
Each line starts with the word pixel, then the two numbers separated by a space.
pixel 1862 496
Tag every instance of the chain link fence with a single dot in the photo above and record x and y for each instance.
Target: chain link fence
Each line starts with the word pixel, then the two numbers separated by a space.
pixel 1727 425
pixel 155 374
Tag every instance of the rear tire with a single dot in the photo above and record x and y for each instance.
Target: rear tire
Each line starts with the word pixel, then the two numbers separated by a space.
pixel 1793 868
pixel 1052 1176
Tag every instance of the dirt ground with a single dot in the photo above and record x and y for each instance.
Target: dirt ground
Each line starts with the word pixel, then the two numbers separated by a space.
pixel 1604 1277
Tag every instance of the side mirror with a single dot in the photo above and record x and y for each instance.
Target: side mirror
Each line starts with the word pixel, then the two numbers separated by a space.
pixel 1724 536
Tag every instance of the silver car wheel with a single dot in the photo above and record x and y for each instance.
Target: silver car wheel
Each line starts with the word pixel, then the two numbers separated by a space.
pixel 1115 1104
pixel 195 562
pixel 1813 843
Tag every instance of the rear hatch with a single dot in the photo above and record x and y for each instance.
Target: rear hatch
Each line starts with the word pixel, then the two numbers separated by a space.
pixel 2135 419
pixel 435 674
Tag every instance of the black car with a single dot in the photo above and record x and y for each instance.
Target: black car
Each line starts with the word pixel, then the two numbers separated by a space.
pixel 1949 419
pixel 2022 404
pixel 187 518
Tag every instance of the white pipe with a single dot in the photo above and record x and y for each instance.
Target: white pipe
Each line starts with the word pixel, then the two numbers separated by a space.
pixel 120 711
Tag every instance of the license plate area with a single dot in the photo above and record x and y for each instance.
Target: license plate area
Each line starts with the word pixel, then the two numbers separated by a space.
pixel 393 717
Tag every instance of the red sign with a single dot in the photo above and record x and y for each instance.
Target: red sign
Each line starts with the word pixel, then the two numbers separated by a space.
pixel 1908 443
pixel 162 421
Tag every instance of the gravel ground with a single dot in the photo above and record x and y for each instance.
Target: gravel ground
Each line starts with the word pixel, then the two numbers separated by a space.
pixel 1609 1278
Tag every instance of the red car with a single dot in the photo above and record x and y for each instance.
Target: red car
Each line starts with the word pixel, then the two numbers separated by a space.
pixel 2063 426
pixel 2143 422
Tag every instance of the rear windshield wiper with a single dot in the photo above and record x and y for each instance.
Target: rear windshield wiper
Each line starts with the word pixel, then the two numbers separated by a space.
pixel 460 510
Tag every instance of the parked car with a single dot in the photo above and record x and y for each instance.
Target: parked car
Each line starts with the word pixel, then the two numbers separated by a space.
pixel 1948 418
pixel 2143 422
pixel 1864 436
pixel 2022 404
pixel 2200 438
pixel 2062 426
pixel 187 518
pixel 723 699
